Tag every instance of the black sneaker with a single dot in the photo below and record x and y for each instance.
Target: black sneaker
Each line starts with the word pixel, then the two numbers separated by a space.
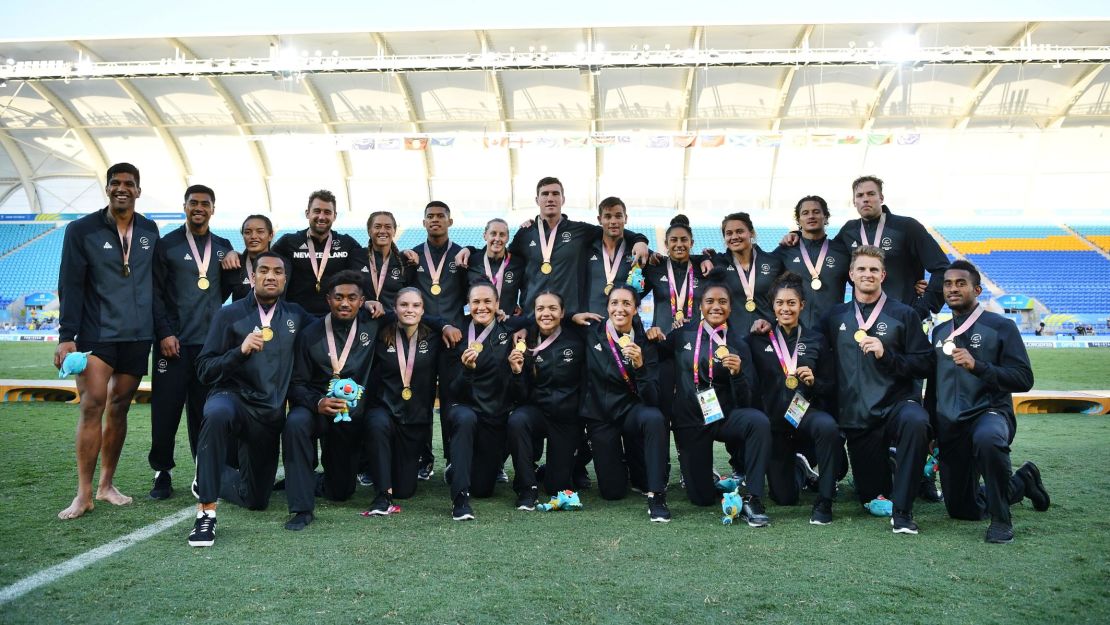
pixel 927 491
pixel 754 513
pixel 999 533
pixel 380 506
pixel 902 522
pixel 300 521
pixel 822 513
pixel 809 473
pixel 526 500
pixel 657 508
pixel 462 510
pixel 1034 487
pixel 364 479
pixel 163 485
pixel 502 477
pixel 204 530
pixel 426 472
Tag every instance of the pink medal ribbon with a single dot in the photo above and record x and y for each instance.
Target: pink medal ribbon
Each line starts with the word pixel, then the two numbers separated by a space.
pixel 548 341
pixel 683 295
pixel 498 278
pixel 405 365
pixel 612 265
pixel 610 335
pixel 318 269
pixel 716 335
pixel 787 360
pixel 436 270
pixel 814 268
pixel 747 281
pixel 864 326
pixel 878 232
pixel 202 262
pixel 264 318
pixel 337 362
pixel 547 244
pixel 475 342
pixel 125 246
pixel 950 343
pixel 377 279
pixel 248 265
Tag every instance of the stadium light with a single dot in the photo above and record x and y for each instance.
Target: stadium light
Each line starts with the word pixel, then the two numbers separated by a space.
pixel 901 48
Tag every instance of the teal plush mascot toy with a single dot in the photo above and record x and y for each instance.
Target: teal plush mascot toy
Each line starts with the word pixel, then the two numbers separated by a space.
pixel 349 391
pixel 75 363
pixel 731 504
pixel 563 500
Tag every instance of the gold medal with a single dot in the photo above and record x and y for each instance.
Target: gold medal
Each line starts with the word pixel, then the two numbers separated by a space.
pixel 202 283
pixel 476 346
pixel 624 340
pixel 406 393
pixel 126 270
pixel 436 290
pixel 948 348
pixel 521 346
pixel 608 288
pixel 749 305
pixel 679 317
pixel 545 268
pixel 791 382
pixel 317 287
pixel 815 284
pixel 267 334
pixel 722 351
pixel 860 335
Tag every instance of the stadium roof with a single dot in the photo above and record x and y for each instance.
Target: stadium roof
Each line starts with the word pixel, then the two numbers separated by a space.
pixel 196 108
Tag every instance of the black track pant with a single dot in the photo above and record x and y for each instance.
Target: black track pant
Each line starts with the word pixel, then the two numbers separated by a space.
pixel 869 452
pixel 818 432
pixel 974 449
pixel 744 427
pixel 339 448
pixel 527 428
pixel 448 369
pixel 395 450
pixel 633 449
pixel 477 451
pixel 173 387
pixel 226 422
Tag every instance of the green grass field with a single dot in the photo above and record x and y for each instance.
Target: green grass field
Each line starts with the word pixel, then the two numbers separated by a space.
pixel 604 564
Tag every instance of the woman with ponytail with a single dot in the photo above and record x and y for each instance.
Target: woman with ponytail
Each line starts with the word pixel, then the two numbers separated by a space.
pixel 385 268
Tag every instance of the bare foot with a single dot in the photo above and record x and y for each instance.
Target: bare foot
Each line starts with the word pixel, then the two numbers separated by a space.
pixel 112 496
pixel 77 508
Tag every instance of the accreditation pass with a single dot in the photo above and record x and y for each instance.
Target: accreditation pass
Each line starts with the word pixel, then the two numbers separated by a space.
pixel 710 407
pixel 796 411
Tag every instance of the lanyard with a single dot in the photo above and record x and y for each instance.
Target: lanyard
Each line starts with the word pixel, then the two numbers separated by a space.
pixel 686 291
pixel 610 332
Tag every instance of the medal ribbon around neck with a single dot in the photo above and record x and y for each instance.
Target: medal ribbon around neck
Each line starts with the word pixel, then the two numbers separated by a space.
pixel 878 231
pixel 436 270
pixel 125 246
pixel 610 333
pixel 471 340
pixel 787 360
pixel 250 269
pixel 547 244
pixel 337 362
pixel 405 365
pixel 318 269
pixel 686 291
pixel 498 278
pixel 612 265
pixel 377 279
pixel 265 317
pixel 202 263
pixel 964 327
pixel 814 268
pixel 716 335
pixel 747 280
pixel 548 341
pixel 864 326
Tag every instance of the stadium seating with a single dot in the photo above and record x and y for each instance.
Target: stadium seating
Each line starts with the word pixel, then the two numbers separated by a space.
pixel 1099 235
pixel 32 268
pixel 14 235
pixel 975 239
pixel 1064 281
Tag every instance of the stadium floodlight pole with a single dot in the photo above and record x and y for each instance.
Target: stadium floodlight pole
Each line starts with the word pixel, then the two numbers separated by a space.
pixel 290 65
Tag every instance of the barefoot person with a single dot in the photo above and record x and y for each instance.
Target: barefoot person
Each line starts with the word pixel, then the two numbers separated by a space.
pixel 106 295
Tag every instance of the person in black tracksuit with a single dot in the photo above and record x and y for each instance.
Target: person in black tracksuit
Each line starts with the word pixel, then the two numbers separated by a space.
pixel 813 379
pixel 484 394
pixel 627 432
pixel 106 298
pixel 185 300
pixel 258 233
pixel 702 363
pixel 443 283
pixel 495 265
pixel 811 213
pixel 877 404
pixel 612 249
pixel 400 418
pixel 969 396
pixel 385 269
pixel 550 408
pixel 312 415
pixel 247 359
pixel 305 286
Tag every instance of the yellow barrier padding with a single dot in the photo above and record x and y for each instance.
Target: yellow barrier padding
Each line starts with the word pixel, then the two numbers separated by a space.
pixel 1054 243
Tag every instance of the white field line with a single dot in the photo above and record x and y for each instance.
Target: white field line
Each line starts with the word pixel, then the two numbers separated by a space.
pixel 58 571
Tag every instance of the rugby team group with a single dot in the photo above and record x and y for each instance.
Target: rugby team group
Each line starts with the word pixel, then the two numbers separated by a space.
pixel 334 354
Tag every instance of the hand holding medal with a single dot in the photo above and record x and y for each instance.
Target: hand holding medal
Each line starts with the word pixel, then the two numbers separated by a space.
pixel 516 360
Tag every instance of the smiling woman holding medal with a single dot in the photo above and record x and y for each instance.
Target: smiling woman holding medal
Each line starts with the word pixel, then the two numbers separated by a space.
pixel 713 402
pixel 483 396
pixel 795 374
pixel 627 432
pixel 552 360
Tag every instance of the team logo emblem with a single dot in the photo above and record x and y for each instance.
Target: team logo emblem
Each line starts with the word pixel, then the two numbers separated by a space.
pixel 364 338
pixel 765 268
pixel 566 237
pixel 162 365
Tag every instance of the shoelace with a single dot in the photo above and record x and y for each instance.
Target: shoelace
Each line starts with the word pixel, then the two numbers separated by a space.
pixel 206 524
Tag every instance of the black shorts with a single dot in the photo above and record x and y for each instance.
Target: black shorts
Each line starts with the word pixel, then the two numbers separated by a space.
pixel 130 357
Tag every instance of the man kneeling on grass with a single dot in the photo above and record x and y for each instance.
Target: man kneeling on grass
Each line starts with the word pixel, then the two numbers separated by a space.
pixel 247 360
pixel 979 359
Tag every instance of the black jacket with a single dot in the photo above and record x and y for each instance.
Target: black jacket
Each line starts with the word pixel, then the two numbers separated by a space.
pixel 594 298
pixel 608 396
pixel 773 394
pixel 733 391
pixel 312 366
pixel 870 389
pixel 261 379
pixel 556 377
pixel 98 303
pixel 386 375
pixel 397 277
pixel 489 386
pixel 833 272
pixel 512 281
pixel 346 253
pixel 768 267
pixel 1002 367
pixel 452 283
pixel 181 308
pixel 658 283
